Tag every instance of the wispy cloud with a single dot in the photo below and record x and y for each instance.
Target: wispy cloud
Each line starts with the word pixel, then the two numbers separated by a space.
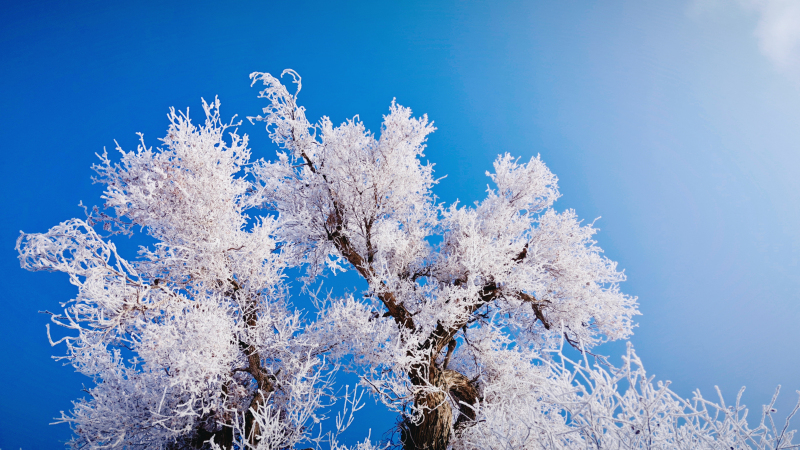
pixel 777 30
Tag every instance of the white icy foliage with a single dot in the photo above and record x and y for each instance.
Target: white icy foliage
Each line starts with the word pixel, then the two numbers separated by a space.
pixel 331 181
pixel 195 344
pixel 558 403
pixel 382 189
pixel 169 339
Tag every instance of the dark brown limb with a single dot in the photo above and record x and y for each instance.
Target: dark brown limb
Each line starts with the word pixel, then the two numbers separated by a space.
pixel 522 254
pixel 536 305
pixel 450 348
pixel 263 380
pixel 400 314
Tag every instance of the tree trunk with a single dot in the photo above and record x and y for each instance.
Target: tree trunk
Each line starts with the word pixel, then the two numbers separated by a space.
pixel 435 430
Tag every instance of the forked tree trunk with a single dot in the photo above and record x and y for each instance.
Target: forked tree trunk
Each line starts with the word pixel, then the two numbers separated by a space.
pixel 435 430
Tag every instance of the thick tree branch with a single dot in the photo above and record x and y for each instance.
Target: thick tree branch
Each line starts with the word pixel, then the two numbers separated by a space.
pixel 537 308
pixel 450 348
pixel 264 381
pixel 335 222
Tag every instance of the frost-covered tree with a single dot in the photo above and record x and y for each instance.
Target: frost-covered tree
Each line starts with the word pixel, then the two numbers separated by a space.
pixel 194 340
pixel 437 319
pixel 196 344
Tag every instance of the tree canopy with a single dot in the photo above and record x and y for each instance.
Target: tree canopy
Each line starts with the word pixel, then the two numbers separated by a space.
pixel 196 343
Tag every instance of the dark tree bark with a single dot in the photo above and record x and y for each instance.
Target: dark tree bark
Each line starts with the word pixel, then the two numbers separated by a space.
pixel 435 430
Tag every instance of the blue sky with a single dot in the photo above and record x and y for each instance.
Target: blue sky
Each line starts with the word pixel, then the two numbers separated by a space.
pixel 677 122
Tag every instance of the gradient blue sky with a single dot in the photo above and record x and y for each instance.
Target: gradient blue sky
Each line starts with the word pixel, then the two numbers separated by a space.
pixel 677 122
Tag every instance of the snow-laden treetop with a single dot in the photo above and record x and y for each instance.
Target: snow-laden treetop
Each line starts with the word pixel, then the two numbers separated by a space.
pixel 196 343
